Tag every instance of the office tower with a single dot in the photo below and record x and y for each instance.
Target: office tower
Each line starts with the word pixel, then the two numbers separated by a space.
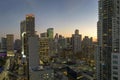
pixel 44 49
pixel 30 24
pixel 76 42
pixel 10 45
pixel 69 42
pixel 17 44
pixel 27 29
pixel 22 28
pixel 3 44
pixel 108 37
pixel 56 43
pixel 62 42
pixel 50 33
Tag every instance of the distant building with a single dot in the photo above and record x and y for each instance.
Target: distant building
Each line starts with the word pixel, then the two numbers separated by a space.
pixel 76 41
pixel 69 42
pixel 87 41
pixel 44 48
pixel 87 47
pixel 17 44
pixel 10 45
pixel 43 35
pixel 22 28
pixel 50 33
pixel 27 29
pixel 62 42
pixel 56 43
pixel 3 43
pixel 30 24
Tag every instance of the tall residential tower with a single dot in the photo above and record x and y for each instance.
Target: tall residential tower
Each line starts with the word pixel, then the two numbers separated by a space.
pixel 108 37
pixel 115 58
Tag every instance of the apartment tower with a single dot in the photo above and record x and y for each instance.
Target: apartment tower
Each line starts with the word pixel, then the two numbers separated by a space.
pixel 108 37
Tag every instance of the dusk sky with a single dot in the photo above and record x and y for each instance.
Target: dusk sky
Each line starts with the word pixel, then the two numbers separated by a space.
pixel 63 15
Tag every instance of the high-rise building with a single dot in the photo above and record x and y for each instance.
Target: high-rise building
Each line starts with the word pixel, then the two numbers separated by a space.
pixel 30 24
pixel 87 47
pixel 108 38
pixel 22 27
pixel 76 42
pixel 3 43
pixel 69 42
pixel 50 33
pixel 44 49
pixel 27 29
pixel 10 45
pixel 62 42
pixel 115 56
pixel 17 44
pixel 56 44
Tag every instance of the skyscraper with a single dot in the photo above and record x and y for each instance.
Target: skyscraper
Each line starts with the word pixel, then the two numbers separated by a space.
pixel 27 29
pixel 22 27
pixel 3 43
pixel 10 45
pixel 76 42
pixel 44 48
pixel 30 24
pixel 115 58
pixel 50 33
pixel 87 47
pixel 108 37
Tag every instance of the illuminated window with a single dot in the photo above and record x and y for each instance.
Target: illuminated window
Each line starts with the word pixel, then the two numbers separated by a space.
pixel 110 30
pixel 105 34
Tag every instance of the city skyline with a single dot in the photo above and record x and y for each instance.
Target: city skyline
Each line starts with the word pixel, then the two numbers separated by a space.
pixel 61 15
